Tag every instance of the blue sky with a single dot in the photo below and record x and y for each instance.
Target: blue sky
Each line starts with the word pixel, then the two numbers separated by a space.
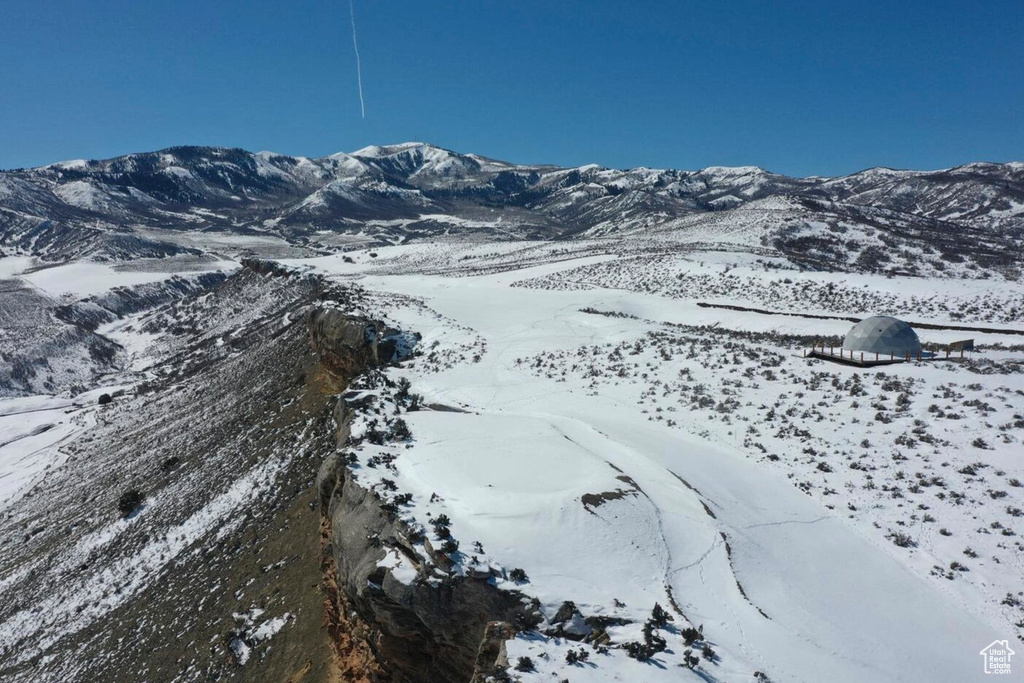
pixel 796 87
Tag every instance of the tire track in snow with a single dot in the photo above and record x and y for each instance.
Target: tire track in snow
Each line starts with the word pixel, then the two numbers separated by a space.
pixel 790 521
pixel 750 653
pixel 663 541
pixel 747 652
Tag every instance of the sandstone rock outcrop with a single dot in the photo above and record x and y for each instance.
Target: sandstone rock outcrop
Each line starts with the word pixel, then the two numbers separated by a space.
pixel 438 626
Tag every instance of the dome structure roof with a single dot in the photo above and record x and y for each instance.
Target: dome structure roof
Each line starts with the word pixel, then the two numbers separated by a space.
pixel 882 334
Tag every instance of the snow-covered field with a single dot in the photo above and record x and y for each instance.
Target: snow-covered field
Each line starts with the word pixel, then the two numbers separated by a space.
pixel 30 429
pixel 626 448
pixel 86 278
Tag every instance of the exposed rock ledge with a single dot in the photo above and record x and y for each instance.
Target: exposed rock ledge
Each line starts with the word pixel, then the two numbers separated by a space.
pixel 436 627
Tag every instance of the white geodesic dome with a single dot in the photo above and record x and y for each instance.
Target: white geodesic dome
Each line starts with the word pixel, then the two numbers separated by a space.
pixel 883 335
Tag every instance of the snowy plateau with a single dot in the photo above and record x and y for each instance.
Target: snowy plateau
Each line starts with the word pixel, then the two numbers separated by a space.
pixel 407 414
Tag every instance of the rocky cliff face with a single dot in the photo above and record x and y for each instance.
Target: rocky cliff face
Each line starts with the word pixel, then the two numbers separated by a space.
pixel 345 345
pixel 427 630
pixel 390 627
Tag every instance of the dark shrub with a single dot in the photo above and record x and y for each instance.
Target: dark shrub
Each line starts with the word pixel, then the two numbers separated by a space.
pixel 400 430
pixel 638 651
pixel 518 575
pixel 130 501
pixel 901 539
pixel 442 526
pixel 659 616
pixel 525 664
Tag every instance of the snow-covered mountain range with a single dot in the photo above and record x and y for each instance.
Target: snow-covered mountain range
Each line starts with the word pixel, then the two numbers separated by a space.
pixel 153 204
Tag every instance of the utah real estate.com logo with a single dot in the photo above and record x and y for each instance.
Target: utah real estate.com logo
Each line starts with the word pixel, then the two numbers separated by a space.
pixel 997 657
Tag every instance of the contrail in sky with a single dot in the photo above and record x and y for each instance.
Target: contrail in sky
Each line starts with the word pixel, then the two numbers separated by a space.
pixel 359 69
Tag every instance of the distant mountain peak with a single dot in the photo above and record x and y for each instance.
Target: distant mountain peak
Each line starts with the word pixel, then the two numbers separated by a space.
pixel 733 170
pixel 389 150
